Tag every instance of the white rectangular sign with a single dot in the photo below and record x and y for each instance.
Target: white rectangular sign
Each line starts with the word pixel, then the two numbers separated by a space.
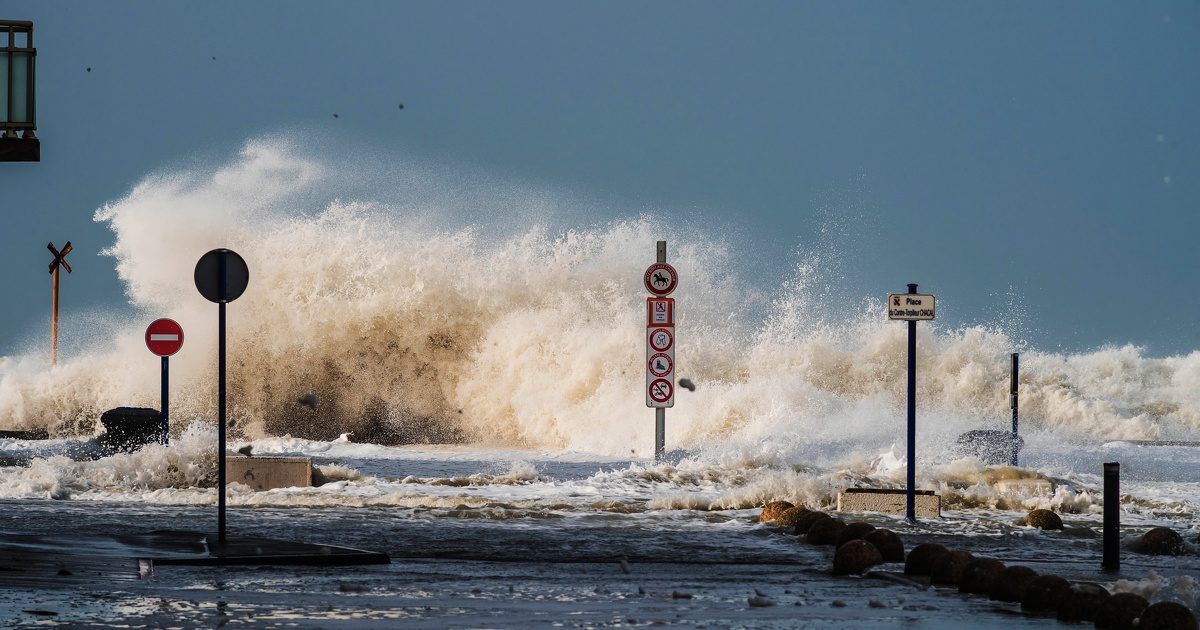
pixel 910 306
pixel 660 366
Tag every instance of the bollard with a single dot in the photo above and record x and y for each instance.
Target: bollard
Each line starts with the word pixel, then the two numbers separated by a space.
pixel 1013 393
pixel 1112 517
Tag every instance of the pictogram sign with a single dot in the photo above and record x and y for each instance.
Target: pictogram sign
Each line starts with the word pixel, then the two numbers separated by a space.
pixel 910 306
pixel 660 311
pixel 661 391
pixel 661 279
pixel 660 364
pixel 662 339
pixel 164 337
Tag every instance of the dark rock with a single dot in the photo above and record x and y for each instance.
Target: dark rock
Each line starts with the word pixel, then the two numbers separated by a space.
pixel 920 559
pixel 1010 585
pixel 1119 611
pixel 807 519
pixel 825 531
pixel 948 568
pixel 1161 541
pixel 1043 593
pixel 888 543
pixel 1079 602
pixel 991 447
pixel 854 531
pixel 979 575
pixel 1043 519
pixel 790 516
pixel 1167 616
pixel 854 557
pixel 772 510
pixel 130 428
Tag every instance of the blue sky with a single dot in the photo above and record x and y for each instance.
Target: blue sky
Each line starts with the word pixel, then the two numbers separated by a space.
pixel 1042 153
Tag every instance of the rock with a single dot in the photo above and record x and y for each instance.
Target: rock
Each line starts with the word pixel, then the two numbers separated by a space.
pixel 1043 519
pixel 888 543
pixel 790 516
pixel 759 601
pixel 920 559
pixel 1079 602
pixel 1010 585
pixel 130 428
pixel 948 568
pixel 854 531
pixel 680 595
pixel 1166 616
pixel 1119 611
pixel 772 510
pixel 979 575
pixel 807 519
pixel 1161 541
pixel 855 557
pixel 1043 593
pixel 825 531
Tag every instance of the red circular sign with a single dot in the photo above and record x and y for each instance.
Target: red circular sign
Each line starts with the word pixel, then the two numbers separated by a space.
pixel 660 390
pixel 164 337
pixel 660 364
pixel 661 279
pixel 661 339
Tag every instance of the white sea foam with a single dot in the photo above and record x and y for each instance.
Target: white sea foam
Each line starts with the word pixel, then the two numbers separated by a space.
pixel 421 313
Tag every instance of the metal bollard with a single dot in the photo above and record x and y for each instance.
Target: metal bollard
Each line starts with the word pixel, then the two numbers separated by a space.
pixel 1112 516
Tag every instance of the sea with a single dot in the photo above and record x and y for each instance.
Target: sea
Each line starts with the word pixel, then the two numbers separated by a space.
pixel 479 370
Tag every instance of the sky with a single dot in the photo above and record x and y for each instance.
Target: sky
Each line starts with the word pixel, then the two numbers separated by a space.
pixel 1019 159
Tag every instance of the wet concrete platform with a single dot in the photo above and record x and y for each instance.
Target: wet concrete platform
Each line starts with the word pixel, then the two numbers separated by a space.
pixel 27 560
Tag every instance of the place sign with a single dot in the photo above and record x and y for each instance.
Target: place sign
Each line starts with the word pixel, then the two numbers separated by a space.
pixel 910 306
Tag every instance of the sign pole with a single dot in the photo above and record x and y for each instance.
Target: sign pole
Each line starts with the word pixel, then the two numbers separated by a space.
pixel 1014 409
pixel 165 423
pixel 660 413
pixel 911 502
pixel 59 260
pixel 223 290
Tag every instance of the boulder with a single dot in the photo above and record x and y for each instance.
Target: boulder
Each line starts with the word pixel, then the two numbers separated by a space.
pixel 1079 602
pixel 888 543
pixel 948 568
pixel 1161 541
pixel 1010 585
pixel 1166 616
pixel 920 559
pixel 1043 593
pixel 1119 611
pixel 772 510
pixel 855 557
pixel 807 519
pixel 789 516
pixel 854 531
pixel 1043 519
pixel 130 428
pixel 825 531
pixel 979 575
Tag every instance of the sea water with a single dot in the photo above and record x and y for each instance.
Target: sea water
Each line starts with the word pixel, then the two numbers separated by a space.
pixel 479 373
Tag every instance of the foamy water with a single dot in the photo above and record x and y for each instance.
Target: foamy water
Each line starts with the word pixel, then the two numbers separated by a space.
pixel 425 306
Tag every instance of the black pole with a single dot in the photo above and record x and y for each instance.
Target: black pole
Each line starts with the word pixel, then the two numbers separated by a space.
pixel 911 506
pixel 660 414
pixel 223 293
pixel 166 423
pixel 1013 391
pixel 1112 516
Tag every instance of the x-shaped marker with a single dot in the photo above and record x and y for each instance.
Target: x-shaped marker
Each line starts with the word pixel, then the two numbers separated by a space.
pixel 58 256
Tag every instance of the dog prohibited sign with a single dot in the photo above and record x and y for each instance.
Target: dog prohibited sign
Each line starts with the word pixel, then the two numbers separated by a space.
pixel 660 366
pixel 661 279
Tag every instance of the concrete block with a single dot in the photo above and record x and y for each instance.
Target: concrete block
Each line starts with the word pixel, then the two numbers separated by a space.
pixel 1027 487
pixel 265 473
pixel 889 501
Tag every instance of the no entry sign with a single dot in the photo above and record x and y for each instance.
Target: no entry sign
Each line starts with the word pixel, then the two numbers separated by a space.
pixel 164 337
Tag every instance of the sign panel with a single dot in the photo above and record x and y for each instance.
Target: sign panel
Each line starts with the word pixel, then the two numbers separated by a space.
pixel 910 306
pixel 661 279
pixel 221 275
pixel 660 366
pixel 164 337
pixel 660 311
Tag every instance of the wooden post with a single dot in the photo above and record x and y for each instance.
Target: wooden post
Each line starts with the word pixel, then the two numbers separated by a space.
pixel 58 260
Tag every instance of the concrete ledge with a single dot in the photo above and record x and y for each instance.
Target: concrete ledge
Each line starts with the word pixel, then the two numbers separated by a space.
pixel 889 501
pixel 265 473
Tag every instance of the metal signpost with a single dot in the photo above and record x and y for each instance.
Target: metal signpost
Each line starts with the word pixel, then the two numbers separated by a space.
pixel 911 307
pixel 221 276
pixel 164 337
pixel 59 261
pixel 660 281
